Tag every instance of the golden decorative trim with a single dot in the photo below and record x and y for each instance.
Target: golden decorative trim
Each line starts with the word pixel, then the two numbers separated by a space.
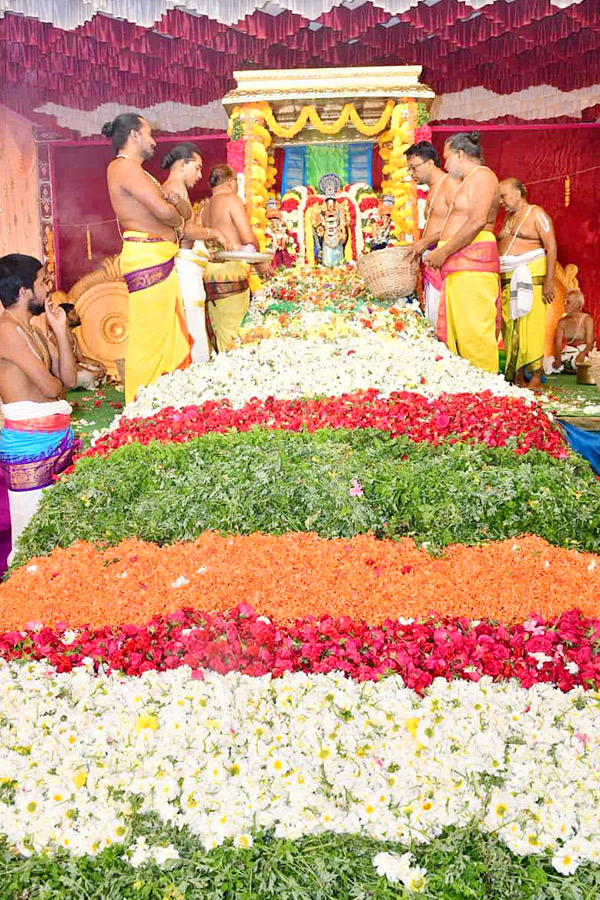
pixel 102 301
pixel 318 84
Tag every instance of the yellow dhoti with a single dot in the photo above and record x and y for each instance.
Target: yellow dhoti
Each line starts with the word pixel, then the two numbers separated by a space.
pixel 524 337
pixel 158 339
pixel 469 303
pixel 228 299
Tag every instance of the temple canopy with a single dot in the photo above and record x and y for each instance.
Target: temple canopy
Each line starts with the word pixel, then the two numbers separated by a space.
pixel 75 63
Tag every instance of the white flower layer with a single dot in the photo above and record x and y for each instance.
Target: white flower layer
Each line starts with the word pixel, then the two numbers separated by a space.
pixel 289 368
pixel 302 754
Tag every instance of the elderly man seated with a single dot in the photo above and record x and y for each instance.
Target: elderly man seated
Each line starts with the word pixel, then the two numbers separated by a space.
pixel 90 372
pixel 574 337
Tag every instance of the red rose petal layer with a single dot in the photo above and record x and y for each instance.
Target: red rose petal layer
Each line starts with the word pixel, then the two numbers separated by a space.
pixel 563 652
pixel 483 418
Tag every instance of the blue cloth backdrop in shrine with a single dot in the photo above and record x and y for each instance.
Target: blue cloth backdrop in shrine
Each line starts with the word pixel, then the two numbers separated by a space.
pixel 307 164
pixel 360 163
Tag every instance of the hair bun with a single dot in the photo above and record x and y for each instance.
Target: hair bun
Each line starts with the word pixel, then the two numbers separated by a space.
pixel 108 129
pixel 167 161
pixel 475 137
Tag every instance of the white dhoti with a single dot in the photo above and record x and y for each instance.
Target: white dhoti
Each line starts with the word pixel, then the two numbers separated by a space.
pixel 432 303
pixel 189 264
pixel 432 286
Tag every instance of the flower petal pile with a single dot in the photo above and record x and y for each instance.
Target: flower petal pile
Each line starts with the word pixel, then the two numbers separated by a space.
pixel 220 677
pixel 289 368
pixel 337 483
pixel 303 754
pixel 483 418
pixel 297 575
pixel 564 653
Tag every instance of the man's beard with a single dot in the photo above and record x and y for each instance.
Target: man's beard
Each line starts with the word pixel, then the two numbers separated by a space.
pixel 147 153
pixel 35 306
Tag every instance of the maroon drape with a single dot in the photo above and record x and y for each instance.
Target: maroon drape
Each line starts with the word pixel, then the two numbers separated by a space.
pixel 81 197
pixel 505 46
pixel 536 155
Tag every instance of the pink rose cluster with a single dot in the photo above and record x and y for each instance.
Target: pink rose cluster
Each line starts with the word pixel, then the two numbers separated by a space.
pixel 423 133
pixel 236 155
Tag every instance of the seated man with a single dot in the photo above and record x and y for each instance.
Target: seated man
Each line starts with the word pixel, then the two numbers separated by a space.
pixel 36 442
pixel 90 372
pixel 574 337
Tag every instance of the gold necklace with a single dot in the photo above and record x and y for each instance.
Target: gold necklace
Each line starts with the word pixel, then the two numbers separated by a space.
pixel 35 337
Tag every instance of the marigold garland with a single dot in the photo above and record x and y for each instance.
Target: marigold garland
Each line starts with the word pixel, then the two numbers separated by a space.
pixel 310 114
pixel 297 575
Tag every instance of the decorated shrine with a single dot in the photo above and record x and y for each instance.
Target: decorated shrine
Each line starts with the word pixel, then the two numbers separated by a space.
pixel 322 207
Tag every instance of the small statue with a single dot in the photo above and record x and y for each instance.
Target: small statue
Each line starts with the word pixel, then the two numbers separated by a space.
pixel 278 233
pixel 382 230
pixel 330 223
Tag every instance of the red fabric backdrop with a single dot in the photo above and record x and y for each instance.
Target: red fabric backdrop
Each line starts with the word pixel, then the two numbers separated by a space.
pixel 183 57
pixel 536 155
pixel 533 155
pixel 81 198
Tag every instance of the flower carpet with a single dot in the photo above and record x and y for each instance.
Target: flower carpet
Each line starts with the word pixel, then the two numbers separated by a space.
pixel 317 619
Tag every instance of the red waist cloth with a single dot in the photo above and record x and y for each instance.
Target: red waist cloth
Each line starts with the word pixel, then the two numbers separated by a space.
pixel 432 276
pixel 480 256
pixel 58 422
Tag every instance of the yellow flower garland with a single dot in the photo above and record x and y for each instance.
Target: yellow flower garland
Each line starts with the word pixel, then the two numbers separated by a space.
pixel 397 177
pixel 260 172
pixel 309 113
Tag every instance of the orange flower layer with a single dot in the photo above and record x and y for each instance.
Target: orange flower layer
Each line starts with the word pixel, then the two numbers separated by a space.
pixel 297 575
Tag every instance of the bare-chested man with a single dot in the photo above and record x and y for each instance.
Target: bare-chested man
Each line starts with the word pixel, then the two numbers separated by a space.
pixel 226 283
pixel 36 442
pixel 527 249
pixel 425 168
pixel 184 163
pixel 152 225
pixel 574 337
pixel 467 256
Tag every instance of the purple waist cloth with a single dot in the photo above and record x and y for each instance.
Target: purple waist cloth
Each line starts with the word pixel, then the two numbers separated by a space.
pixel 4 525
pixel 145 278
pixel 34 474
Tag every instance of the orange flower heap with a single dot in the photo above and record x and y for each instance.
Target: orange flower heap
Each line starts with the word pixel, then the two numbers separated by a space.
pixel 297 575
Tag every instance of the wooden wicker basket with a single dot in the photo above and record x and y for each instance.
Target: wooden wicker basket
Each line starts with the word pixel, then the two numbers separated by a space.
pixel 389 274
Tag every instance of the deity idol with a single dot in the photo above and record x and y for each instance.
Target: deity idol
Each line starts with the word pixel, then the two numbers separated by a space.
pixel 331 233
